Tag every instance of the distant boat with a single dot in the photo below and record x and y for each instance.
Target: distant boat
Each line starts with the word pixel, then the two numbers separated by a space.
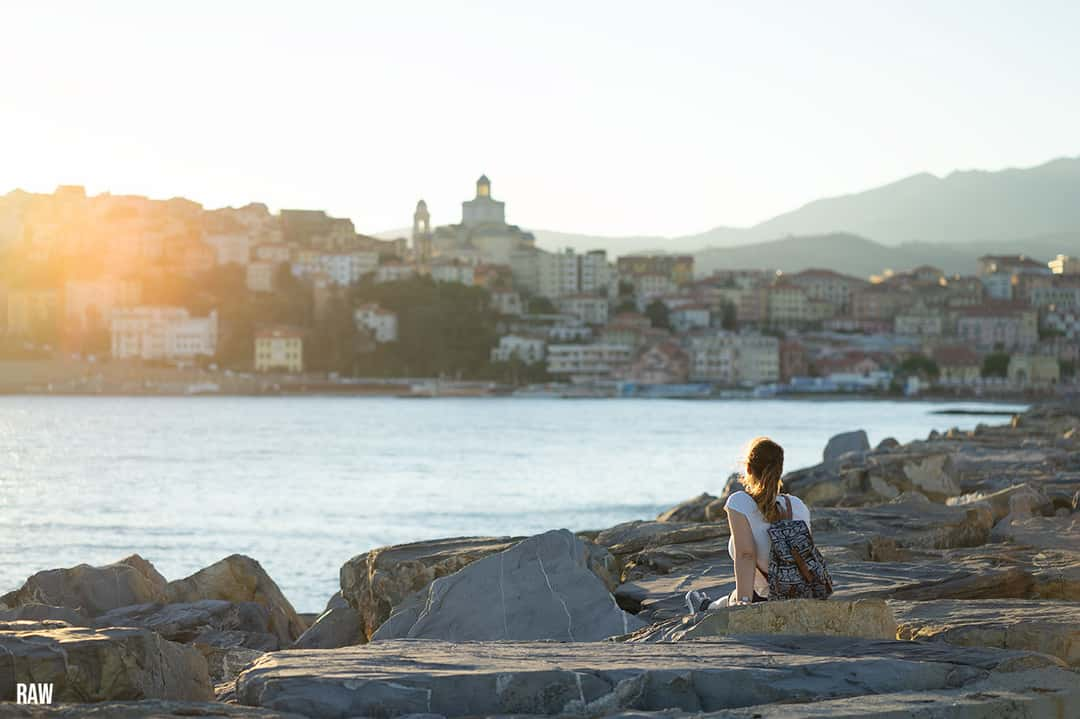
pixel 203 388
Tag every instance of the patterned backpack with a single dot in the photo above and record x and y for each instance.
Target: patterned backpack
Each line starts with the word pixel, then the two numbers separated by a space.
pixel 796 568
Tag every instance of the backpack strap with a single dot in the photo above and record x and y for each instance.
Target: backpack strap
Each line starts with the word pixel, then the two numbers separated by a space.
pixel 787 507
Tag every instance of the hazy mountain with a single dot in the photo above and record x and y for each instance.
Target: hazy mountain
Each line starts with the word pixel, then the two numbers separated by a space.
pixel 854 255
pixel 969 206
pixel 919 219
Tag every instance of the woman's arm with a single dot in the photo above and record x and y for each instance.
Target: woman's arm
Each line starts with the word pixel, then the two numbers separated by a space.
pixel 745 555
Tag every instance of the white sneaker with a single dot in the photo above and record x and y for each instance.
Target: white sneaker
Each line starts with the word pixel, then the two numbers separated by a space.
pixel 696 601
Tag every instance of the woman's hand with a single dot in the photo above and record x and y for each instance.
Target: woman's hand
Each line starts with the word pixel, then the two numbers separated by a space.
pixel 745 556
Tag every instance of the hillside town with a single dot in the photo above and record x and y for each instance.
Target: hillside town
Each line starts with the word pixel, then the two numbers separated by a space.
pixel 129 282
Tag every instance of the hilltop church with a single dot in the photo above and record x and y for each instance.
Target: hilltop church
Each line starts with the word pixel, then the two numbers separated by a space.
pixel 482 236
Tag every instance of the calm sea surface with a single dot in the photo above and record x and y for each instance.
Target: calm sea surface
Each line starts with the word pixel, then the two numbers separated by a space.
pixel 303 484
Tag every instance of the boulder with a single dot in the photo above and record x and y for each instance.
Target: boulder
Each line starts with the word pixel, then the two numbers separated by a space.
pixel 338 626
pixel 224 663
pixel 845 442
pixel 144 709
pixel 541 588
pixel 629 538
pixel 42 612
pixel 866 618
pixel 394 678
pixel 241 579
pixel 1039 626
pixel 93 665
pixel 375 582
pixel 887 445
pixel 91 590
pixel 1003 502
pixel 692 510
pixel 245 624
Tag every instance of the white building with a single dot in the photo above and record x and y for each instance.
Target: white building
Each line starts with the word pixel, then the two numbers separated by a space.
pixel 590 309
pixel 279 349
pixel 735 359
pixel 1067 297
pixel 158 333
pixel 690 316
pixel 567 273
pixel 527 349
pixel 230 249
pixel 649 286
pixel 88 304
pixel 343 268
pixel 453 271
pixel 260 276
pixel 394 271
pixel 1065 321
pixel 507 302
pixel 381 322
pixel 998 285
pixel 583 363
pixel 1065 265
pixel 273 252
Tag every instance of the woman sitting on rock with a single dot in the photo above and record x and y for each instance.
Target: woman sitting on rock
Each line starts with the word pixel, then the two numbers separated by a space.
pixel 750 514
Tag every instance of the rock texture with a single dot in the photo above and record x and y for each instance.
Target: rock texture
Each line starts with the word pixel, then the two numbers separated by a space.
pixel 692 510
pixel 844 443
pixel 606 679
pixel 240 579
pixel 865 618
pixel 92 665
pixel 1040 626
pixel 145 709
pixel 375 582
pixel 338 626
pixel 209 621
pixel 91 590
pixel 540 588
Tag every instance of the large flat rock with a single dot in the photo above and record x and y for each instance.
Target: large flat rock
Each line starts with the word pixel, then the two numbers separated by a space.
pixel 865 618
pixel 145 709
pixel 93 665
pixel 1042 626
pixel 540 588
pixel 596 679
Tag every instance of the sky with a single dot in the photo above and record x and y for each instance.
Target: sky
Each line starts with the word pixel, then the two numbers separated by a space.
pixel 610 118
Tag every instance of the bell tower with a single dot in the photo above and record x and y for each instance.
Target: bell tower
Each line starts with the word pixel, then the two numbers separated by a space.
pixel 421 232
pixel 483 187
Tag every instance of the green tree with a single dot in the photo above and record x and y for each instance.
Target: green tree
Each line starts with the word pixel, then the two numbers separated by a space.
pixel 996 364
pixel 659 315
pixel 728 315
pixel 541 306
pixel 444 328
pixel 920 365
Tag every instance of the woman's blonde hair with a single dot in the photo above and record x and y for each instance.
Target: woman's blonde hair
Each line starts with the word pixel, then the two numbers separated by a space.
pixel 764 467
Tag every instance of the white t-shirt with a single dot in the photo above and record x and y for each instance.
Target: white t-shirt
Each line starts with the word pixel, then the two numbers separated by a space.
pixel 745 505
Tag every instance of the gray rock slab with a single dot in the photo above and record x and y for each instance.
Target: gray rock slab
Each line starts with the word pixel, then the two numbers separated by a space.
pixel 144 709
pixel 375 582
pixel 247 624
pixel 603 678
pixel 541 588
pixel 845 442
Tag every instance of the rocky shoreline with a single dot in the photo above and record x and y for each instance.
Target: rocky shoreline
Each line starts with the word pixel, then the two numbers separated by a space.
pixel 956 561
